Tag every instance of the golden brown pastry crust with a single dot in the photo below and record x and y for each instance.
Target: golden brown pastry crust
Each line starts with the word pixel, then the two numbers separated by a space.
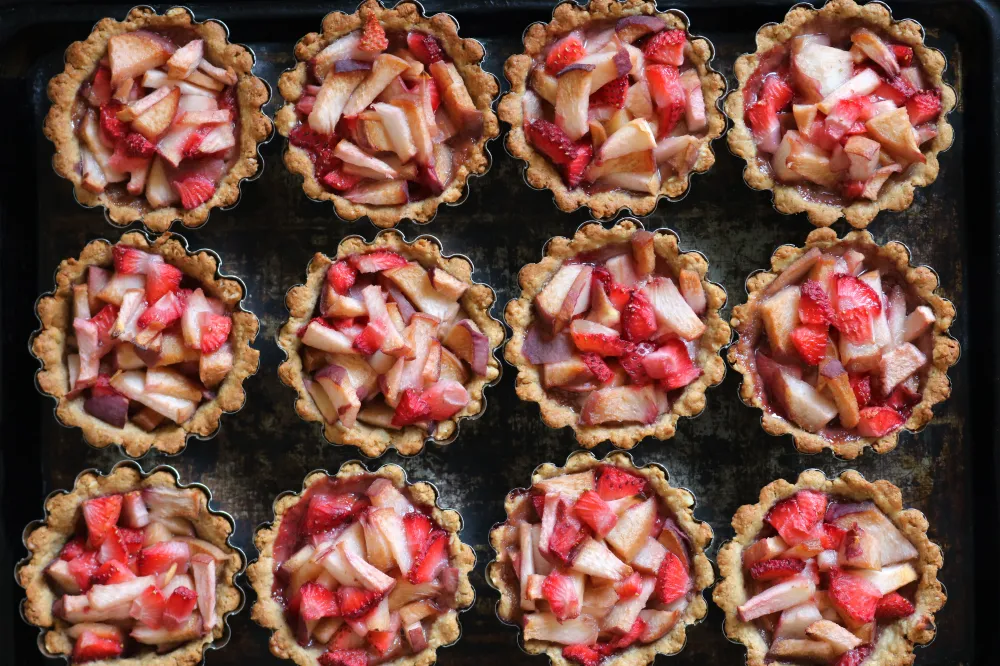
pixel 896 640
pixel 268 613
pixel 897 193
pixel 922 281
pixel 62 514
pixel 539 172
pixel 680 502
pixel 55 312
pixel 467 55
pixel 82 59
pixel 519 315
pixel 301 302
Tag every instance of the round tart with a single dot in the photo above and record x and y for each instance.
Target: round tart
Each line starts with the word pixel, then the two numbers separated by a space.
pixel 157 118
pixel 843 343
pixel 361 567
pixel 144 344
pixel 617 333
pixel 131 567
pixel 613 105
pixel 830 572
pixel 841 112
pixel 615 565
pixel 387 113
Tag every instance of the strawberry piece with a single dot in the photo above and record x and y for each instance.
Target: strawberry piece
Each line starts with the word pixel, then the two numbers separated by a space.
pixel 774 569
pixel 638 318
pixel 668 94
pixel 131 260
pixel 305 104
pixel 582 654
pixel 317 602
pixel 853 595
pixel 113 128
pixel 602 371
pixel 162 313
pixel 560 592
pixel 136 145
pixel 83 568
pixel 193 144
pixel 344 324
pixel 615 483
pixel 904 54
pixel 814 304
pixel 603 344
pixel 612 93
pixel 435 94
pixel 370 339
pixel 893 606
pixel 344 658
pixel 672 579
pixel 776 93
pixel 113 546
pixel 160 279
pixel 194 190
pixel 631 362
pixel 418 528
pixel 215 330
pixel 796 517
pixel 111 573
pixel 563 53
pixel 857 303
pixel 72 550
pixel 341 276
pixel 879 421
pixel 810 342
pixel 355 602
pixel 101 87
pixel 103 387
pixel 305 137
pixel 666 47
pixel 862 387
pixel 832 536
pixel 573 172
pixel 924 106
pixel 629 587
pixel 411 408
pixel 326 512
pixel 424 47
pixel 178 607
pixel 148 607
pixel 902 400
pixel 92 647
pixel 159 557
pixel 853 189
pixel 374 262
pixel 551 141
pixel 340 180
pixel 626 639
pixel 682 370
pixel 856 657
pixel 595 513
pixel 566 535
pixel 432 560
pixel 104 320
pixel 373 37
pixel 101 515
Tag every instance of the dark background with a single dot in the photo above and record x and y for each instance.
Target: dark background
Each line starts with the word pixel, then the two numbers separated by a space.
pixel 949 471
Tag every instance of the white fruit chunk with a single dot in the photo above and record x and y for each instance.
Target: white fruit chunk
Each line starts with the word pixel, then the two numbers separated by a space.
pixel 794 621
pixel 594 559
pixel 899 364
pixel 806 406
pixel 545 627
pixel 890 578
pixel 672 311
pixel 331 99
pixel 786 594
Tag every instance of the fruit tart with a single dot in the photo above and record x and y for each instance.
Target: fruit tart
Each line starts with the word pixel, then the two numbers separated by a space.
pixel 131 567
pixel 387 113
pixel 617 333
pixel 843 343
pixel 841 112
pixel 613 105
pixel 601 562
pixel 390 343
pixel 143 344
pixel 157 118
pixel 361 567
pixel 830 572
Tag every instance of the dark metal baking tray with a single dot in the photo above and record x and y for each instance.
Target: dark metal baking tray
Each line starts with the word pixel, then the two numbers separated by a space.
pixel 949 471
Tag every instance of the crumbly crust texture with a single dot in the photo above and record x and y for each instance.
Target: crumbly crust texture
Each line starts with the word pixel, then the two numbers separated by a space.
pixel 519 315
pixel 896 640
pixel 921 280
pixel 301 302
pixel 55 312
pixel 680 502
pixel 897 193
pixel 267 612
pixel 467 55
pixel 539 172
pixel 82 59
pixel 62 514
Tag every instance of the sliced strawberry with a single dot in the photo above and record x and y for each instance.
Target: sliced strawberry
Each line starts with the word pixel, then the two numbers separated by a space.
pixel 136 145
pixel 131 260
pixel 370 339
pixel 857 303
pixel 924 106
pixel 615 483
pixel 857 656
pixel 113 546
pixel 901 399
pixel 563 53
pixel 551 141
pixel 92 647
pixel 344 657
pixel 161 279
pixel 774 569
pixel 573 172
pixel 862 387
pixel 355 601
pixel 796 517
pixel 435 94
pixel 626 639
pixel 763 122
pixel 853 595
pixel 879 421
pixel 853 189
pixel 667 92
pixel 604 344
pixel 179 606
pixel 776 93
pixel 103 387
pixel 101 515
pixel 582 654
pixel 148 607
pixel 639 318
pixel 424 47
pixel 317 602
pixel 672 580
pixel 83 568
pixel 810 342
pixel 611 94
pixel 632 364
pixel 374 262
pixel 160 556
pixel 100 87
pixel 814 304
pixel 893 606
pixel 215 330
pixel 560 592
pixel 341 276
pixel 566 535
pixel 326 512
pixel 602 371
pixel 904 54
pixel 113 128
pixel 111 573
pixel 373 37
pixel 340 180
pixel 432 560
pixel 666 47
pixel 681 369
pixel 595 513
pixel 418 528
pixel 162 313
pixel 309 139
pixel 832 536
pixel 305 104
pixel 72 550
pixel 194 190
pixel 630 587
pixel 411 408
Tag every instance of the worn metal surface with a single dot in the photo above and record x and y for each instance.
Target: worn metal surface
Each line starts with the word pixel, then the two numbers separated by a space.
pixel 723 456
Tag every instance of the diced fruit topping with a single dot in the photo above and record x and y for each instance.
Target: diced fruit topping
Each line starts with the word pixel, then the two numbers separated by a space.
pixel 615 483
pixel 672 579
pixel 564 53
pixel 893 606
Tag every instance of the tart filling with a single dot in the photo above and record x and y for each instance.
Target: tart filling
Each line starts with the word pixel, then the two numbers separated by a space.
pixel 618 100
pixel 385 114
pixel 601 561
pixel 362 568
pixel 622 332
pixel 157 119
pixel 843 344
pixel 131 574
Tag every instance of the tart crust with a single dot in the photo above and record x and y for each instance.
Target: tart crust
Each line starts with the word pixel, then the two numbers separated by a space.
pixel 62 514
pixel 55 312
pixel 896 640
pixel 921 280
pixel 519 315
pixel 680 501
pixel 539 172
pixel 301 302
pixel 82 59
pixel 897 193
pixel 467 55
pixel 268 613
